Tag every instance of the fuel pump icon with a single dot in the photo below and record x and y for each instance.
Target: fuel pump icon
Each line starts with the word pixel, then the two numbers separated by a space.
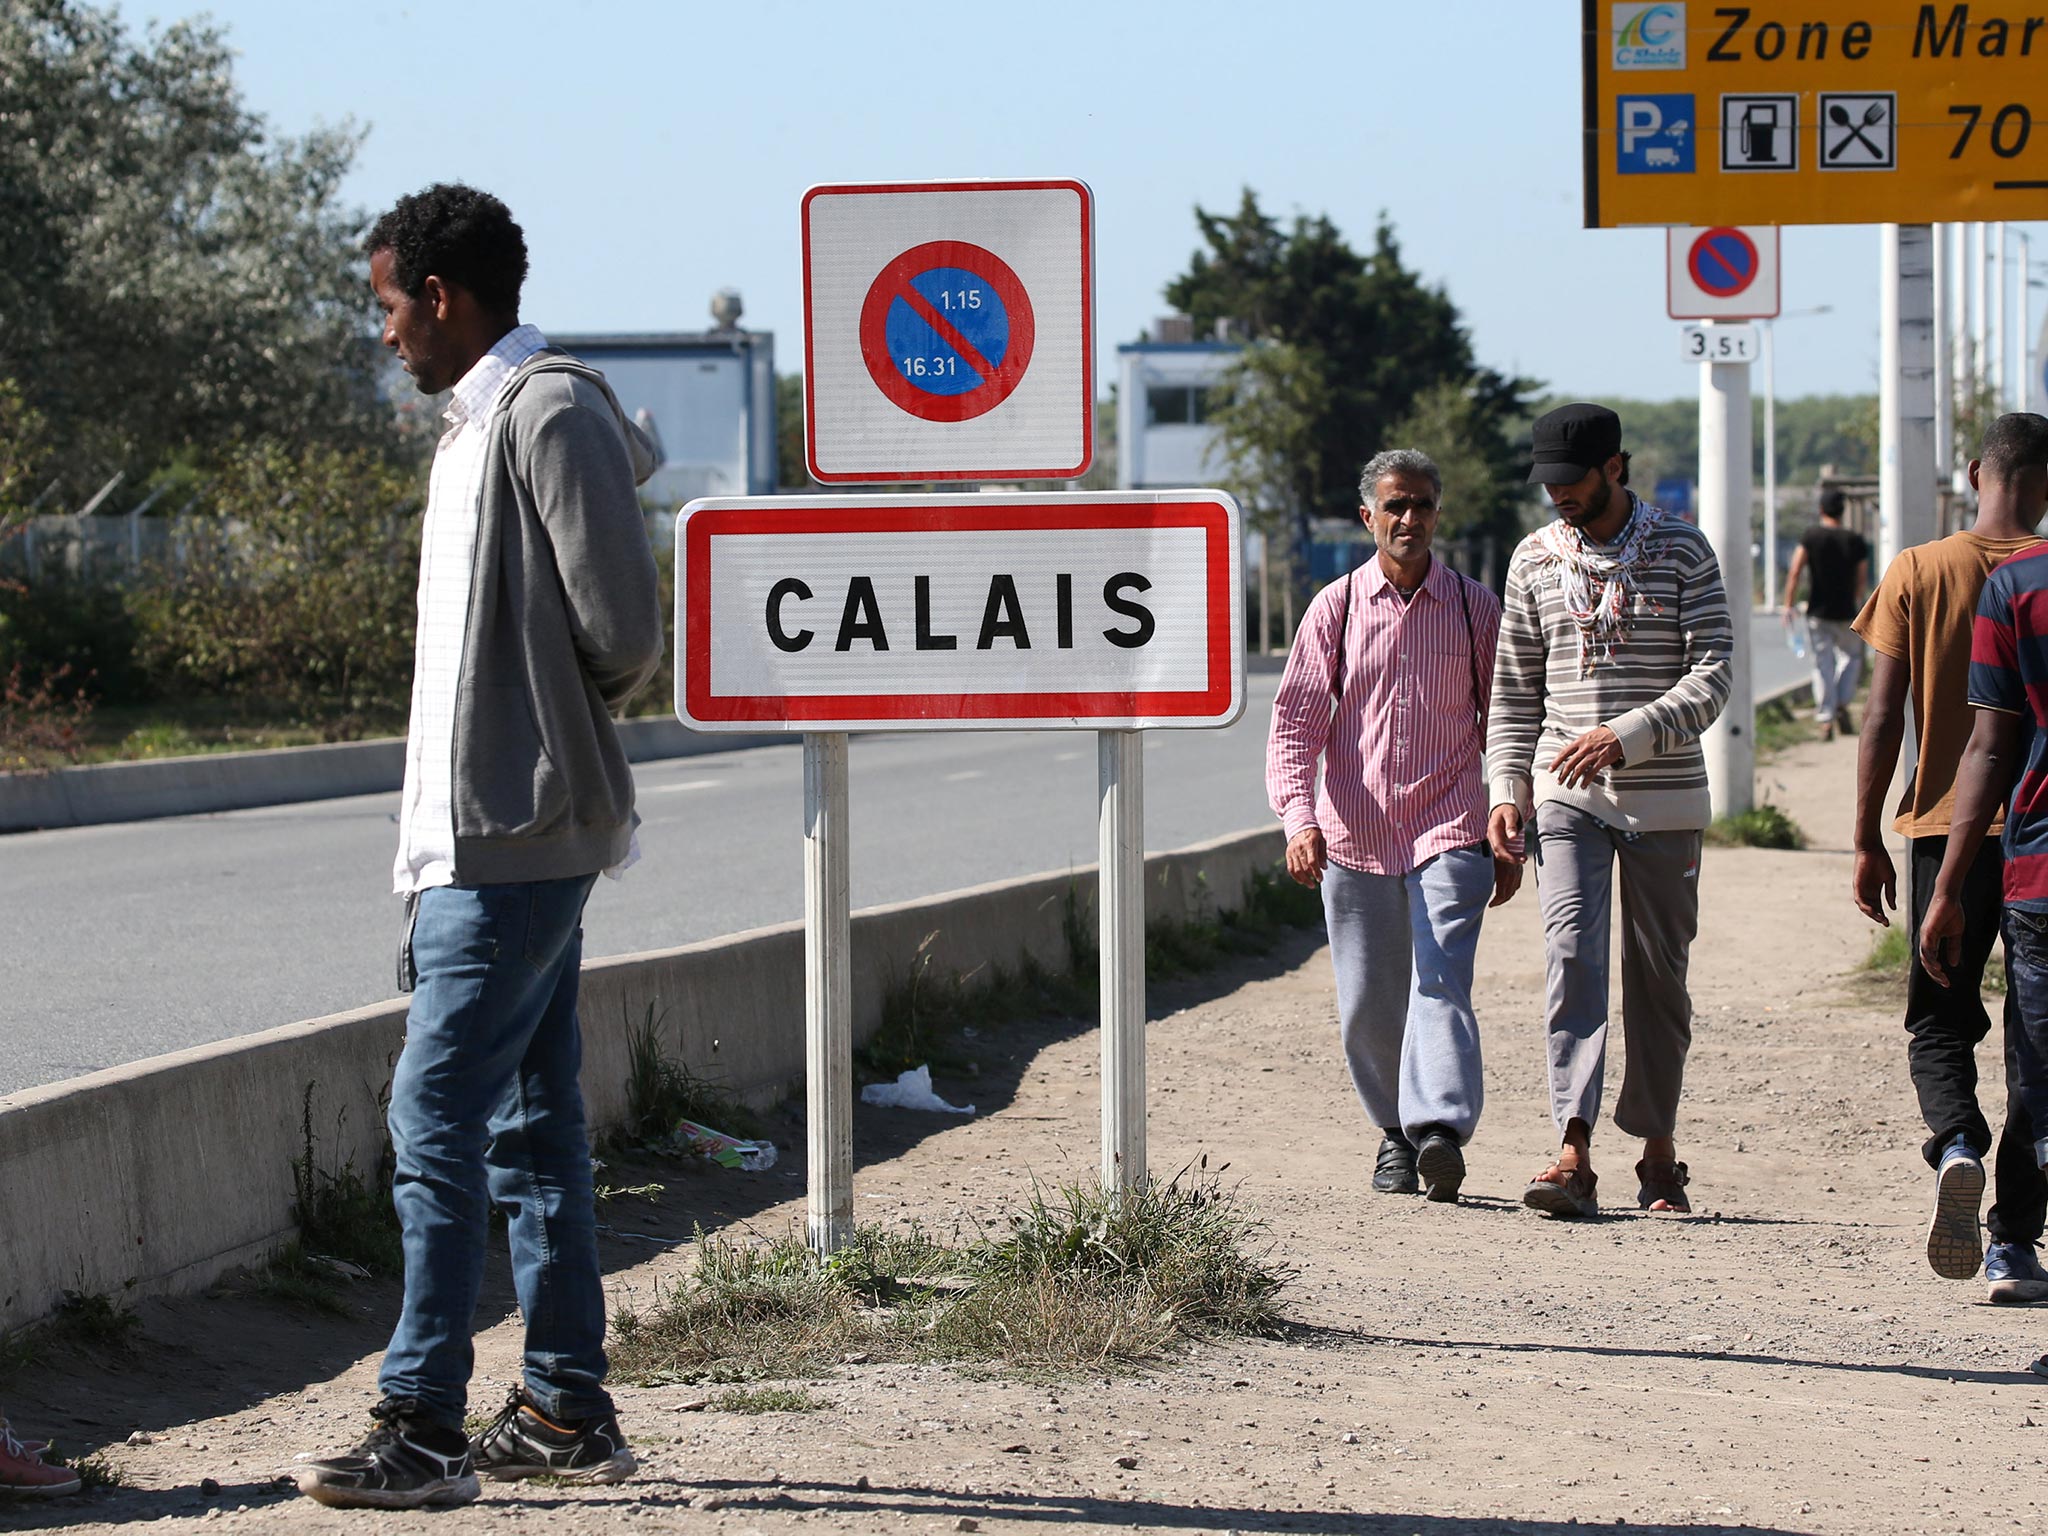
pixel 1761 126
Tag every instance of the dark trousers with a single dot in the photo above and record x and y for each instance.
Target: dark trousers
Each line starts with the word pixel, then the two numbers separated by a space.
pixel 1946 1025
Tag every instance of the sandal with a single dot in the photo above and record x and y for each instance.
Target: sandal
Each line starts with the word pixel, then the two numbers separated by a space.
pixel 1664 1184
pixel 1562 1191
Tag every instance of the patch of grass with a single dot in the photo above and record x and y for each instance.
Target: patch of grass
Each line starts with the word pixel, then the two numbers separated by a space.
pixel 661 1089
pixel 341 1213
pixel 768 1400
pixel 95 1472
pixel 1891 955
pixel 749 1310
pixel 94 1318
pixel 1780 725
pixel 1080 1279
pixel 1762 826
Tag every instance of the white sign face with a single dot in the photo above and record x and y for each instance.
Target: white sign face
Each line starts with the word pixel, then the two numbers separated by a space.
pixel 949 331
pixel 1721 343
pixel 1121 610
pixel 1728 272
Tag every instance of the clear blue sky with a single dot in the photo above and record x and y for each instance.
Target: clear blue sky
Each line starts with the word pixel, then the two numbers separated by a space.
pixel 656 152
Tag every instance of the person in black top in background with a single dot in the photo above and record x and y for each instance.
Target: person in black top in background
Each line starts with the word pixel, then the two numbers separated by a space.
pixel 1836 562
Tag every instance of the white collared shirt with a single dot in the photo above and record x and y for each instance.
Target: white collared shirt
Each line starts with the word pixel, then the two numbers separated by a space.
pixel 426 818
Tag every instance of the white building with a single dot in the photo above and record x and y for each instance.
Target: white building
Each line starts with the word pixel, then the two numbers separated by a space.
pixel 711 398
pixel 1163 436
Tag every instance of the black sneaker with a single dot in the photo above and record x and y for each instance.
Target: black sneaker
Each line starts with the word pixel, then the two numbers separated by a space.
pixel 405 1462
pixel 524 1442
pixel 1393 1171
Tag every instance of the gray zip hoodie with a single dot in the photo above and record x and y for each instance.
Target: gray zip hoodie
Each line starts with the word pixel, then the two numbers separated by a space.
pixel 564 627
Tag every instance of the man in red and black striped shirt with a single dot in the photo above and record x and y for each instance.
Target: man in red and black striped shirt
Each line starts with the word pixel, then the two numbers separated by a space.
pixel 2007 756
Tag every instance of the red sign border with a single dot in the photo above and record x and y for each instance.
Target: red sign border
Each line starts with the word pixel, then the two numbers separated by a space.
pixel 1009 373
pixel 875 477
pixel 702 521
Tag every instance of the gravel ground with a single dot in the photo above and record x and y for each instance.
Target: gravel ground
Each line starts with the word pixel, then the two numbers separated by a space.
pixel 1783 1360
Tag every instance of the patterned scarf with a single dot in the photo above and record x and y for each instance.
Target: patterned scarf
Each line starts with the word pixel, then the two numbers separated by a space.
pixel 1599 585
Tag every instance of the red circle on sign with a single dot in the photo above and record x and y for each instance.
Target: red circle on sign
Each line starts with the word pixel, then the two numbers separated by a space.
pixel 1723 261
pixel 999 380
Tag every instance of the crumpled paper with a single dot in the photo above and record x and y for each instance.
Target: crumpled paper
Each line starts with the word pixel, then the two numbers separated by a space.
pixel 913 1090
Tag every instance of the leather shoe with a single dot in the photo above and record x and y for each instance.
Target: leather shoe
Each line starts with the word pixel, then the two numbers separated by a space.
pixel 1393 1171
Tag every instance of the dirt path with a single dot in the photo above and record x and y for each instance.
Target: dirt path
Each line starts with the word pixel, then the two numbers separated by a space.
pixel 1783 1361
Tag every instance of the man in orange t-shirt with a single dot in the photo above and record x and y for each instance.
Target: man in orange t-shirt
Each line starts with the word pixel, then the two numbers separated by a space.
pixel 1919 624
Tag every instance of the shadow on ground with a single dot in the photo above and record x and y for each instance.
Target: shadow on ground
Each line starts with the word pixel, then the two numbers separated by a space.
pixel 194 1358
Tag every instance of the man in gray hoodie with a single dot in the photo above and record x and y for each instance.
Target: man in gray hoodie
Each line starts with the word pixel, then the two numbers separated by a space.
pixel 538 617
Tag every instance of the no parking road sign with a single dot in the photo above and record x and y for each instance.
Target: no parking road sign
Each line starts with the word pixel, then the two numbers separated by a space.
pixel 1111 611
pixel 948 331
pixel 1723 273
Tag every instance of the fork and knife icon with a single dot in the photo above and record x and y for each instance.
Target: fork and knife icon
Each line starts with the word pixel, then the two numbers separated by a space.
pixel 1841 117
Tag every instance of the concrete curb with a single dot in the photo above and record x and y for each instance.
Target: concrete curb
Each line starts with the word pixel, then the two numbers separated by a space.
pixel 237 781
pixel 160 1176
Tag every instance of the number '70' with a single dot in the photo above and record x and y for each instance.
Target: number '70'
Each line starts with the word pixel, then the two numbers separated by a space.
pixel 2009 129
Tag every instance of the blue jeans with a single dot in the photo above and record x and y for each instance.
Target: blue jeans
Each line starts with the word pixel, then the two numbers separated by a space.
pixel 2026 1058
pixel 487 1109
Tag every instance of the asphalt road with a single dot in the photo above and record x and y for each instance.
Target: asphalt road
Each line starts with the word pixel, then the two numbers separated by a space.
pixel 121 942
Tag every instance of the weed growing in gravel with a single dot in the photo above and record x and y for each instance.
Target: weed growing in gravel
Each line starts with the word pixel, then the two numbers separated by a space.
pixel 342 1213
pixel 95 1471
pixel 1763 826
pixel 661 1089
pixel 768 1400
pixel 1891 954
pixel 92 1317
pixel 293 1277
pixel 1082 1278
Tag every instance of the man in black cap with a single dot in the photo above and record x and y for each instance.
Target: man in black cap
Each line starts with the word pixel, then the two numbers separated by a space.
pixel 1614 657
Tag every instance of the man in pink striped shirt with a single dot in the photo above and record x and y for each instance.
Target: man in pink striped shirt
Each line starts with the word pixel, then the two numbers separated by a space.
pixel 1387 686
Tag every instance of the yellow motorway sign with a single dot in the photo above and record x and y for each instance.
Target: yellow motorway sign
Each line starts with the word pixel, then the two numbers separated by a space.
pixel 1815 111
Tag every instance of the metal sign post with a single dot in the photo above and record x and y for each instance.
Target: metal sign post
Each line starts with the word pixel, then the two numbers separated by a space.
pixel 828 992
pixel 1120 908
pixel 1730 742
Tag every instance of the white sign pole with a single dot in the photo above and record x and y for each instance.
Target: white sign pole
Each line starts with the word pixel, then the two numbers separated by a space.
pixel 828 992
pixel 1725 483
pixel 1905 439
pixel 1770 465
pixel 1120 908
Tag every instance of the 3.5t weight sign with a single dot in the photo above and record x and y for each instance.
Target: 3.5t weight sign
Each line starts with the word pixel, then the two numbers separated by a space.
pixel 947 331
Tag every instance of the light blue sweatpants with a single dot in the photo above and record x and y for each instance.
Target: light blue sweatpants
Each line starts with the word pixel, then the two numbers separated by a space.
pixel 1403 947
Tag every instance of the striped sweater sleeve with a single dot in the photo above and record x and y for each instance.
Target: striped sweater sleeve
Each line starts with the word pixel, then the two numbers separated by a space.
pixel 1683 712
pixel 1515 711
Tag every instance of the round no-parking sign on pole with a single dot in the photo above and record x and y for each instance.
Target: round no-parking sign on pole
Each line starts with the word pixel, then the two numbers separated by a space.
pixel 1722 273
pixel 948 331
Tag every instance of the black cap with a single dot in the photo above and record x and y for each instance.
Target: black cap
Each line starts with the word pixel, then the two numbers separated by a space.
pixel 1571 442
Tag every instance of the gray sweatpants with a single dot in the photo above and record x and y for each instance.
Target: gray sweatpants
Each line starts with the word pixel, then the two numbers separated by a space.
pixel 1402 946
pixel 1575 853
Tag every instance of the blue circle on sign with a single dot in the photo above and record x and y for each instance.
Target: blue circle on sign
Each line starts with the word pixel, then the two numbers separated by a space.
pixel 1723 261
pixel 955 339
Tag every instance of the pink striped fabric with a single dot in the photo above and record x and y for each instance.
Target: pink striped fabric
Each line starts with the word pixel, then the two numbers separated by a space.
pixel 1402 751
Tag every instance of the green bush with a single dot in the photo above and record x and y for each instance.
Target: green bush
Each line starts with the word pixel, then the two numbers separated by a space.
pixel 1764 826
pixel 297 591
pixel 79 635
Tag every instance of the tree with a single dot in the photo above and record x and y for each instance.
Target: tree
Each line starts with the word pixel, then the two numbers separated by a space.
pixel 1343 346
pixel 298 593
pixel 170 275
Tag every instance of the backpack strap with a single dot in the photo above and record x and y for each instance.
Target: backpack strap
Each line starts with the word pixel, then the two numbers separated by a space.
pixel 1343 625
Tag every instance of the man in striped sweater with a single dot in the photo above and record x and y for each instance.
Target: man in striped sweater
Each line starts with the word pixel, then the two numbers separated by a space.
pixel 1614 654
